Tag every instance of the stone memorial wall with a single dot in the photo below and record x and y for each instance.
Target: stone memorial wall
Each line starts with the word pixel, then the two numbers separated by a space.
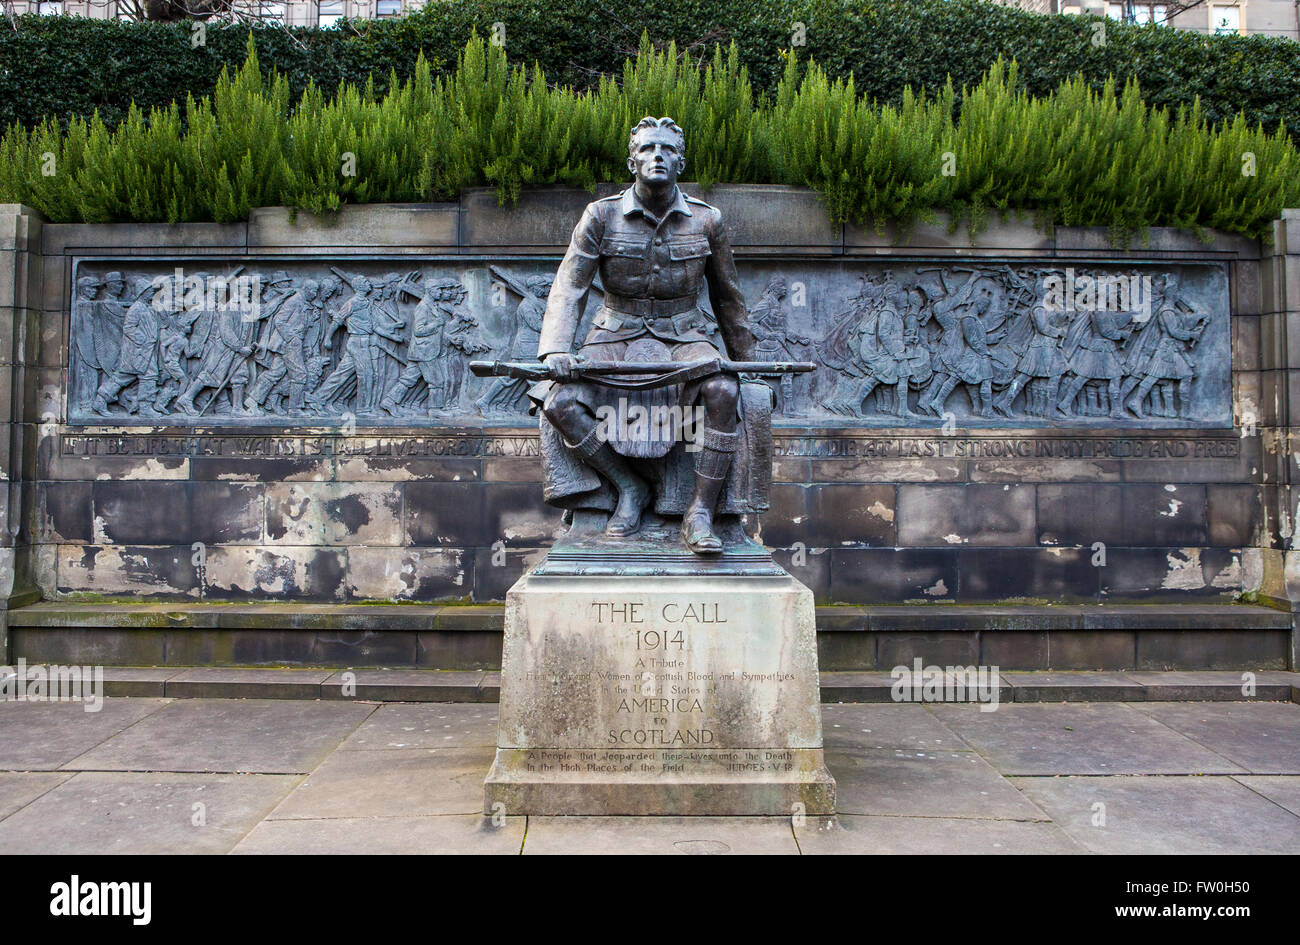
pixel 282 410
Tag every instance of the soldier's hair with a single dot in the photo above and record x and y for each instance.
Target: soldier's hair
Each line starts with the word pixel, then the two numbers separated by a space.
pixel 649 122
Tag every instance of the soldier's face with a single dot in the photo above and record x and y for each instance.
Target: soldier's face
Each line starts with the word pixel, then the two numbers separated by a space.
pixel 115 288
pixel 656 157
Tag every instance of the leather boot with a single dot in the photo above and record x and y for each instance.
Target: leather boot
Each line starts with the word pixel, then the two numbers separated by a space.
pixel 710 473
pixel 633 493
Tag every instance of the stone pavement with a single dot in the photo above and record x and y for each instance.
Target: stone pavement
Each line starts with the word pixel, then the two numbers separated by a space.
pixel 149 775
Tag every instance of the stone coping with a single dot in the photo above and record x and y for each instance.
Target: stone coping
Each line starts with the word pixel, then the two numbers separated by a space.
pixel 416 685
pixel 490 617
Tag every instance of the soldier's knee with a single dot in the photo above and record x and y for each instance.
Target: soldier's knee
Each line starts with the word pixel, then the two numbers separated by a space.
pixel 721 389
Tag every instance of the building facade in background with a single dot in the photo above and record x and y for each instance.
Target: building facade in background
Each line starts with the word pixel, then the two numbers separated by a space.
pixel 1262 17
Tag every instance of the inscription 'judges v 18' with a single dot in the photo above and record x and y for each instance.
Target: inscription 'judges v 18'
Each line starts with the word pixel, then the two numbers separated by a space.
pixel 657 661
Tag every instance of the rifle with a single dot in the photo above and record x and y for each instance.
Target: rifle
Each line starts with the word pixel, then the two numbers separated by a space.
pixel 656 373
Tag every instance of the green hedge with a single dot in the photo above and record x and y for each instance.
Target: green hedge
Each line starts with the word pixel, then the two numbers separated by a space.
pixel 58 66
pixel 1075 156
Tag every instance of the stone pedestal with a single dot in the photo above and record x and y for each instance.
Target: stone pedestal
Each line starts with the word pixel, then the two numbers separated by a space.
pixel 660 695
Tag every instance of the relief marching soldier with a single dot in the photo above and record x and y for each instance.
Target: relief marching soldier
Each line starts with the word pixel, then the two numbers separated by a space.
pixel 655 249
pixel 137 359
pixel 281 350
pixel 427 355
pixel 1161 350
pixel 505 393
pixel 771 330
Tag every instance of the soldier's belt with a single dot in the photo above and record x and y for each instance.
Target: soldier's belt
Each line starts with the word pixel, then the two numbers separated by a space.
pixel 648 308
pixel 661 324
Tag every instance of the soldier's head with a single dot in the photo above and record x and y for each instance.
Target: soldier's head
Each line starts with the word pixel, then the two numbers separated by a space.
pixel 776 287
pixel 114 284
pixel 656 151
pixel 329 288
pixel 87 286
pixel 310 289
pixel 540 286
pixel 361 285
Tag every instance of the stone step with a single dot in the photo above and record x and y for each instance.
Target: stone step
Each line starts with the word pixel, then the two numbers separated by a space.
pixel 423 685
pixel 1115 637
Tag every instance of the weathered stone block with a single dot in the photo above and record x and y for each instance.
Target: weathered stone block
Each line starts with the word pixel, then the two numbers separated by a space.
pixel 1080 514
pixel 392 226
pixel 227 512
pixel 515 513
pixel 426 574
pixel 63 512
pixel 281 572
pixel 1168 514
pixel 445 513
pixel 890 576
pixel 933 649
pixel 966 515
pixel 138 512
pixel 673 696
pixel 1013 574
pixel 338 513
pixel 135 571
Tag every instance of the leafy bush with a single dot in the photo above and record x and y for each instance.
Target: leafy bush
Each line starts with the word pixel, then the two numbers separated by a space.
pixel 1075 156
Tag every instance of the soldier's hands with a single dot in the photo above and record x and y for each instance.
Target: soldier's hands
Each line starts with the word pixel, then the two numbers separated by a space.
pixel 561 365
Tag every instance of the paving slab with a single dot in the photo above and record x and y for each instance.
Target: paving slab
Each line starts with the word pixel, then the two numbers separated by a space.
pixel 447 834
pixel 42 736
pixel 885 726
pixel 1079 738
pixel 439 725
pixel 20 788
pixel 236 735
pixel 1283 790
pixel 1160 815
pixel 400 782
pixel 1264 738
pixel 708 836
pixel 852 834
pixel 111 812
pixel 924 784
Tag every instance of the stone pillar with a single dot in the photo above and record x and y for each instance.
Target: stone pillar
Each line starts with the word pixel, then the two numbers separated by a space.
pixel 20 301
pixel 1280 412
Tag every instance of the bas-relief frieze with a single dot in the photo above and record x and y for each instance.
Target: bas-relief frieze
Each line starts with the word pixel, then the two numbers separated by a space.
pixel 944 345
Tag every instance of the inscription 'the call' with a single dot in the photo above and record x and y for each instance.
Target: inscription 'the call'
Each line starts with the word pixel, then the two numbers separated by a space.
pixel 672 612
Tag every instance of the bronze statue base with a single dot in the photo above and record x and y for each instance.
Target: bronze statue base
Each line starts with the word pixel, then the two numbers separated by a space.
pixel 656 549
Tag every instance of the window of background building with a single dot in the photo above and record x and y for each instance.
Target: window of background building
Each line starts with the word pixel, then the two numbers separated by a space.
pixel 272 13
pixel 125 10
pixel 329 12
pixel 1142 12
pixel 388 8
pixel 1225 19
pixel 49 9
